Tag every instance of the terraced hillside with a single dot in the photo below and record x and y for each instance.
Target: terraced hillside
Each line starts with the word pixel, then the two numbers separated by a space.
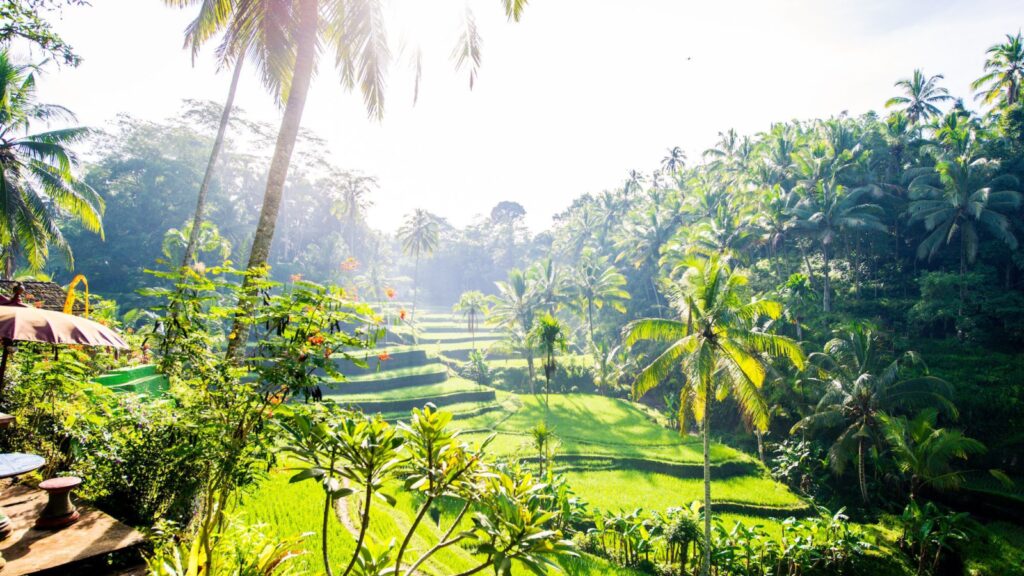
pixel 400 376
pixel 613 454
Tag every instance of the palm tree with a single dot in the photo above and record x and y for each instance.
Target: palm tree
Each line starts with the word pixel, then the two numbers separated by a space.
pixel 597 283
pixel 548 335
pixel 38 186
pixel 211 164
pixel 548 282
pixel 285 40
pixel 513 310
pixel 957 199
pixel 827 208
pixel 922 95
pixel 926 453
pixel 719 349
pixel 674 161
pixel 858 390
pixel 473 306
pixel 1004 69
pixel 419 236
pixel 195 36
pixel 352 202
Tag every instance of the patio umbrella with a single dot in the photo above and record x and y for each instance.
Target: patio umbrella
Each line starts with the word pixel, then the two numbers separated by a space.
pixel 21 323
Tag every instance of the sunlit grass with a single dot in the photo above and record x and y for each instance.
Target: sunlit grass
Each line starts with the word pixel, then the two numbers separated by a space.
pixel 614 490
pixel 428 391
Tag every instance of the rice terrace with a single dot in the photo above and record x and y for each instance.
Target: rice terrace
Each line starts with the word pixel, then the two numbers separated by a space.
pixel 659 288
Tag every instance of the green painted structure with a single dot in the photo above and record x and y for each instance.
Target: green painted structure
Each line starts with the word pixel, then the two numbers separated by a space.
pixel 142 379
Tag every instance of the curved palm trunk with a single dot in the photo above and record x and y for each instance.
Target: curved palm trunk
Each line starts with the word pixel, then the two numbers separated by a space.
pixel 286 136
pixel 705 567
pixel 218 143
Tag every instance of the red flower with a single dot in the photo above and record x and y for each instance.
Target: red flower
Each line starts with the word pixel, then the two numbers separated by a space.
pixel 401 313
pixel 384 356
pixel 316 339
pixel 296 277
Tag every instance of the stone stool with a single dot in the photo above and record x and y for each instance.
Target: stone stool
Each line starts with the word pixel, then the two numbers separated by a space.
pixel 59 511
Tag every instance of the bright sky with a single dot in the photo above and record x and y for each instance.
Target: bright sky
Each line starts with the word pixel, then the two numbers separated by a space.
pixel 568 100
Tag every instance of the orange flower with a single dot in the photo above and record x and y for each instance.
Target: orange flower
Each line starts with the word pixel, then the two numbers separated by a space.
pixel 390 293
pixel 316 339
pixel 328 352
pixel 401 313
pixel 296 277
pixel 384 356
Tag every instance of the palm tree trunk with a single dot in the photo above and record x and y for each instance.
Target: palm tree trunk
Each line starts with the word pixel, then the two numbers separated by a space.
pixel 861 477
pixel 590 318
pixel 415 287
pixel 705 567
pixel 302 75
pixel 963 274
pixel 218 143
pixel 826 281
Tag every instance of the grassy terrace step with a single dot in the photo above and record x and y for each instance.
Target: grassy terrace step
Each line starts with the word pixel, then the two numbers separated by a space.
pixel 426 391
pixel 400 357
pixel 598 426
pixel 612 490
pixel 452 337
pixel 459 410
pixel 454 391
pixel 375 383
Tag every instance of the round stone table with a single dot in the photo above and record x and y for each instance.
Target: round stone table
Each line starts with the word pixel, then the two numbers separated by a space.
pixel 12 465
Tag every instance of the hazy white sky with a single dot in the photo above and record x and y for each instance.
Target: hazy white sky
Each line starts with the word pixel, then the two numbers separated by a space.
pixel 568 100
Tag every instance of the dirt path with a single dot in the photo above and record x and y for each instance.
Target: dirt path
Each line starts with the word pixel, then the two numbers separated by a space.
pixel 341 511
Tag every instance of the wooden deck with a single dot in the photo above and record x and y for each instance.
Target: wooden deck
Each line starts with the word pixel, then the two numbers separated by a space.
pixel 77 549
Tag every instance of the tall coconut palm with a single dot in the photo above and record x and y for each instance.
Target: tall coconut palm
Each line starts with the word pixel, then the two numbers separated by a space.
pixel 922 94
pixel 419 236
pixel 827 208
pixel 674 161
pixel 597 283
pixel 197 32
pixel 955 201
pixel 211 164
pixel 38 185
pixel 857 389
pixel 513 309
pixel 548 335
pixel 285 40
pixel 548 283
pixel 472 306
pixel 1004 72
pixel 351 203
pixel 716 344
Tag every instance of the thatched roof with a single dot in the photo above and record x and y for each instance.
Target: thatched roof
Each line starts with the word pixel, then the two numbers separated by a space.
pixel 49 294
